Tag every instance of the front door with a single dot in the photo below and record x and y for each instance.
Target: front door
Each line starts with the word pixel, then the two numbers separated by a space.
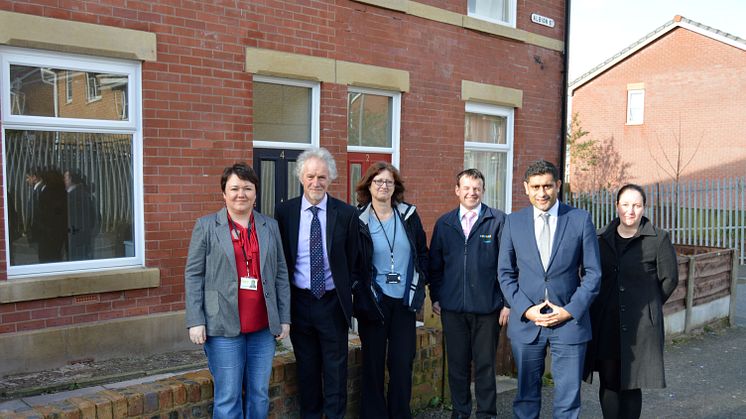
pixel 278 182
pixel 357 164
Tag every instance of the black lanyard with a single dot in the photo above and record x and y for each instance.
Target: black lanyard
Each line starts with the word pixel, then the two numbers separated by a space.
pixel 391 242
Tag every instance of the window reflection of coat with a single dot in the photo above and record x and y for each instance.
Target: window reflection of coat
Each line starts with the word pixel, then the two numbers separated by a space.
pixel 82 219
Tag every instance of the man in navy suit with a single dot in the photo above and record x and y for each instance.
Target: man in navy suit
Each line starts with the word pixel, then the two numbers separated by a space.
pixel 550 272
pixel 319 239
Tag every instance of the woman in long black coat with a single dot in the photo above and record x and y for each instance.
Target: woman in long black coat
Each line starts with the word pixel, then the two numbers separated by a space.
pixel 639 273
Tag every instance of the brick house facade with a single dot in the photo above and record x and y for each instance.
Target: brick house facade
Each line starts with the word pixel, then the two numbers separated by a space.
pixel 189 76
pixel 683 84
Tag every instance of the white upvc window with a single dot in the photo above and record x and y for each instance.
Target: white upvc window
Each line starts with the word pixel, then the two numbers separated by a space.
pixel 373 122
pixel 286 113
pixel 635 106
pixel 72 170
pixel 502 12
pixel 488 146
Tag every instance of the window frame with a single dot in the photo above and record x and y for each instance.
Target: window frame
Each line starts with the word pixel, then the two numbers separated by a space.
pixel 507 148
pixel 511 22
pixel 395 123
pixel 315 113
pixel 131 126
pixel 630 94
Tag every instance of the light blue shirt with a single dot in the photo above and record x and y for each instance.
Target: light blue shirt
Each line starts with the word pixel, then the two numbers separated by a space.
pixel 382 253
pixel 302 276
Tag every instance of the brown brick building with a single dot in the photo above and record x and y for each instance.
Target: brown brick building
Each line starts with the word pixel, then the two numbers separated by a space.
pixel 681 89
pixel 147 101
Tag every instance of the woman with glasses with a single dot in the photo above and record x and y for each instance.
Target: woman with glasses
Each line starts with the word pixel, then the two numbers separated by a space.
pixel 639 273
pixel 386 299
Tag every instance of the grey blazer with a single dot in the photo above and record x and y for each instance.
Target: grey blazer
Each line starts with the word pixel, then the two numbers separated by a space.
pixel 211 279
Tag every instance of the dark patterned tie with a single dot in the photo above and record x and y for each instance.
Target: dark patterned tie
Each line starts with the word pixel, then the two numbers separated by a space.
pixel 317 255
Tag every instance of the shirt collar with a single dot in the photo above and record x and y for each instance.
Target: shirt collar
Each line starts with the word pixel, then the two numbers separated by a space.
pixel 306 204
pixel 462 210
pixel 553 212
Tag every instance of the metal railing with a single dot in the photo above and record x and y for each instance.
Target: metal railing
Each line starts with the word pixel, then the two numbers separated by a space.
pixel 709 212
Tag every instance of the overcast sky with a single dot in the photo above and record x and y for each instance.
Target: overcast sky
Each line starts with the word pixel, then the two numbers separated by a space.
pixel 601 28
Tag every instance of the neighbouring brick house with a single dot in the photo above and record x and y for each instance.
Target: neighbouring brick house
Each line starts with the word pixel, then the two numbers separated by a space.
pixel 147 101
pixel 681 89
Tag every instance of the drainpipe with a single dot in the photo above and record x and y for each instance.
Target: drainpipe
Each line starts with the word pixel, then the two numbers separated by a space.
pixel 563 124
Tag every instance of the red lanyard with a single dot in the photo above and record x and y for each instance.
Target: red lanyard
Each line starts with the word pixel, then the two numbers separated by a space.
pixel 234 229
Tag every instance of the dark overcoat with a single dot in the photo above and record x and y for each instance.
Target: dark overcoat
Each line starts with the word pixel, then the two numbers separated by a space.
pixel 642 277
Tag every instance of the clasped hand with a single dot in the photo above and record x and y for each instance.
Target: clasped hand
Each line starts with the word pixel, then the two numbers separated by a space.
pixel 554 315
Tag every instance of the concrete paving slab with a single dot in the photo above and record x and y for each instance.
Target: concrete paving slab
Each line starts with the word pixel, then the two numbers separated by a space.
pixel 142 380
pixel 45 399
pixel 12 405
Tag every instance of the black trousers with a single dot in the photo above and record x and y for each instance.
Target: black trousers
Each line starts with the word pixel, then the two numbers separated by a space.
pixel 394 339
pixel 319 336
pixel 471 338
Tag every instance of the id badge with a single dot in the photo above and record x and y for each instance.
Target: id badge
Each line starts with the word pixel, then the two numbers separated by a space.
pixel 249 283
pixel 393 278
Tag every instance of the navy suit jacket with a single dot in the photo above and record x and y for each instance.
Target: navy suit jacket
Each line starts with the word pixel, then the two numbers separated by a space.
pixel 341 244
pixel 572 278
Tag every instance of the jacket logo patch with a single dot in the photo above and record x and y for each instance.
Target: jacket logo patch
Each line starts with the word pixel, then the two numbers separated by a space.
pixel 486 238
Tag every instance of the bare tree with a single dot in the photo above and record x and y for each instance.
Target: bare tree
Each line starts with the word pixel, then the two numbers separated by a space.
pixel 672 161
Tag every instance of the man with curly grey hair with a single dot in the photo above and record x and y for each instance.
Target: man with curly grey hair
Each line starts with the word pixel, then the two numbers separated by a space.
pixel 319 238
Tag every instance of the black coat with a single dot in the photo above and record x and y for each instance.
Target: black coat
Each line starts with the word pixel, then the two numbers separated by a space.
pixel 642 277
pixel 341 244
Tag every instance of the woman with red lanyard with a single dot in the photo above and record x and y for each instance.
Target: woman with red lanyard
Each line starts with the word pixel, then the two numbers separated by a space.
pixel 237 296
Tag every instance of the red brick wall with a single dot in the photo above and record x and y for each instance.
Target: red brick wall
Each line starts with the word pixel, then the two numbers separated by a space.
pixel 691 80
pixel 197 111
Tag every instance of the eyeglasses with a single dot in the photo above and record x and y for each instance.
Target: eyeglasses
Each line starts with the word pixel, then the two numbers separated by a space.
pixel 381 182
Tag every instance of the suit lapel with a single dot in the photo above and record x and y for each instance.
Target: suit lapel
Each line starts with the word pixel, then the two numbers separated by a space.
pixel 262 236
pixel 561 225
pixel 530 227
pixel 223 233
pixel 331 218
pixel 293 229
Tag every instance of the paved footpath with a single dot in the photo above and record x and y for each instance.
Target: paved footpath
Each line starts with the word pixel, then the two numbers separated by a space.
pixel 706 377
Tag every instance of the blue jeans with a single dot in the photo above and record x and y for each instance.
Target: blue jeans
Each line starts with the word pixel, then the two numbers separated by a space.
pixel 238 363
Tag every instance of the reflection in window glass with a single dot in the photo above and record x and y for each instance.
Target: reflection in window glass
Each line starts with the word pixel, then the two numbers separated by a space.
pixel 294 187
pixel 369 120
pixel 267 188
pixel 70 196
pixel 60 93
pixel 482 128
pixel 493 166
pixel 635 106
pixel 282 113
pixel 356 173
pixel 68 86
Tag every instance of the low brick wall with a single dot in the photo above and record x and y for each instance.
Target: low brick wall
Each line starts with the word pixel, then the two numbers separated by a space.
pixel 190 395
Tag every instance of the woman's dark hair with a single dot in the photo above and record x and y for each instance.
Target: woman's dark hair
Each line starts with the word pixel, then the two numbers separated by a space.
pixel 362 189
pixel 634 187
pixel 243 171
